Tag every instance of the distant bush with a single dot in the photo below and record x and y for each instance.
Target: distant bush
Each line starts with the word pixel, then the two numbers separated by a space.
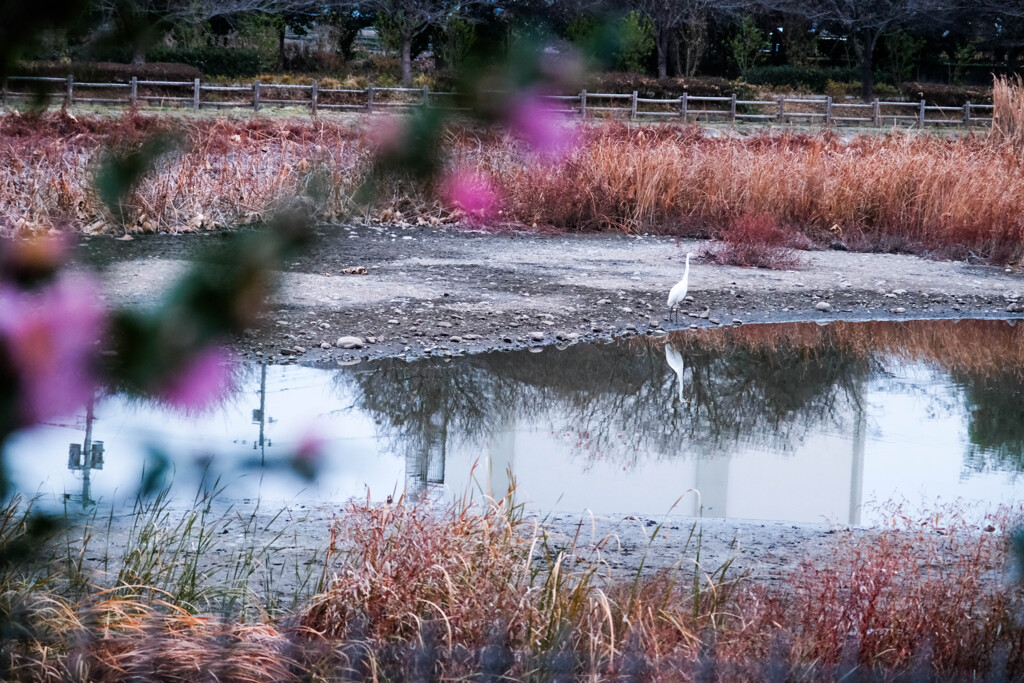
pixel 667 88
pixel 215 61
pixel 109 72
pixel 814 78
pixel 210 61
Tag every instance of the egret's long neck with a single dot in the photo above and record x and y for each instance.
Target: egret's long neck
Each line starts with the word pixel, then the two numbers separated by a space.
pixel 686 273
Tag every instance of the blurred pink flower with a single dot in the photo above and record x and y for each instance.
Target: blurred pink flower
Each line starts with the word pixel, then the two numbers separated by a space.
pixel 532 119
pixel 387 134
pixel 308 454
pixel 473 193
pixel 50 337
pixel 38 255
pixel 205 379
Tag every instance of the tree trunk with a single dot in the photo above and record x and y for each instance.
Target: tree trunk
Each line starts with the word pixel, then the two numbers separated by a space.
pixel 281 28
pixel 407 61
pixel 867 84
pixel 663 43
pixel 139 51
pixel 673 53
pixel 866 53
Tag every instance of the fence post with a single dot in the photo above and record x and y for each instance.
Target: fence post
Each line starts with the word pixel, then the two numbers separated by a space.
pixel 876 113
pixel 69 95
pixel 632 111
pixel 828 111
pixel 920 117
pixel 256 96
pixel 685 106
pixel 369 97
pixel 967 113
pixel 583 103
pixel 195 94
pixel 732 109
pixel 782 108
pixel 133 96
pixel 426 96
pixel 314 95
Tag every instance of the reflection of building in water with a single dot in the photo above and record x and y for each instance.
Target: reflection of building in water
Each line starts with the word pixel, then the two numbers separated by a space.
pixel 424 462
pixel 818 479
pixel 85 457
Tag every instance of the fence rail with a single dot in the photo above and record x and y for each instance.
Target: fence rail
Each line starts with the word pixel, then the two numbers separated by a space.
pixel 686 108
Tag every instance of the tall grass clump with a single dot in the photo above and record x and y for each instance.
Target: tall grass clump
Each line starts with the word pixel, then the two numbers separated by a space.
pixel 1008 116
pixel 755 242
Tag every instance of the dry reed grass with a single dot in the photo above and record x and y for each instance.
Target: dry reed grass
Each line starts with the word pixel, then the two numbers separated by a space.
pixel 929 592
pixel 420 592
pixel 1008 101
pixel 951 197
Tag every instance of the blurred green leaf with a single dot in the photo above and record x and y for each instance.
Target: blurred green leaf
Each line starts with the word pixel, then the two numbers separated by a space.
pixel 122 170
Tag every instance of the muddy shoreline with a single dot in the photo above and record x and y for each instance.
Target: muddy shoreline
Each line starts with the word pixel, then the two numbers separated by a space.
pixel 442 292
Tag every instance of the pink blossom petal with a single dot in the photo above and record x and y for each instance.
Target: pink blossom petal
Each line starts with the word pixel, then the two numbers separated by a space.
pixel 205 380
pixel 472 193
pixel 532 119
pixel 387 135
pixel 51 338
pixel 308 454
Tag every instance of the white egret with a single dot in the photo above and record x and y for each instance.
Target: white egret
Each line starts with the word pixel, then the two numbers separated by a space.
pixel 678 365
pixel 678 293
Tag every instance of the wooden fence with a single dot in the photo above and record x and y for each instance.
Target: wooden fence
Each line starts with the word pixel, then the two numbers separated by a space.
pixel 197 95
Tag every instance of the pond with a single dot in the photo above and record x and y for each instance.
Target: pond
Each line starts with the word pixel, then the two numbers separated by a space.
pixel 795 422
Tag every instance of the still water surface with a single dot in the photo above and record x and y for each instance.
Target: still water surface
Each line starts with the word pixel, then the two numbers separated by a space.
pixel 794 422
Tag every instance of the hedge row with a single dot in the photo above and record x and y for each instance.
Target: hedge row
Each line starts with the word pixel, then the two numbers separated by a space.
pixel 110 72
pixel 210 61
pixel 666 88
pixel 811 78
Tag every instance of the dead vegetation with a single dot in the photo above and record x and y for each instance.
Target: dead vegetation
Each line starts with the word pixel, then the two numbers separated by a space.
pixel 949 197
pixel 446 592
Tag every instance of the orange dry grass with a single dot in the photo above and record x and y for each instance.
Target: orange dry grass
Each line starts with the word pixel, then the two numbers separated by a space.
pixel 908 191
pixel 223 173
pixel 1008 101
pixel 932 588
pixel 112 639
pixel 926 592
pixel 403 564
pixel 183 647
pixel 924 193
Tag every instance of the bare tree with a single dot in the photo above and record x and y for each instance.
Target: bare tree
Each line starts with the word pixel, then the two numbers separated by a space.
pixel 141 22
pixel 409 19
pixel 863 22
pixel 689 17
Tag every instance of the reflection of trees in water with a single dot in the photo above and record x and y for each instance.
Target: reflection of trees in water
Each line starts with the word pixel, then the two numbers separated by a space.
pixel 769 396
pixel 768 385
pixel 995 409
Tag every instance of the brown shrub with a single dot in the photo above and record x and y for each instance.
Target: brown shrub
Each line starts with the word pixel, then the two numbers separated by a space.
pixel 753 242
